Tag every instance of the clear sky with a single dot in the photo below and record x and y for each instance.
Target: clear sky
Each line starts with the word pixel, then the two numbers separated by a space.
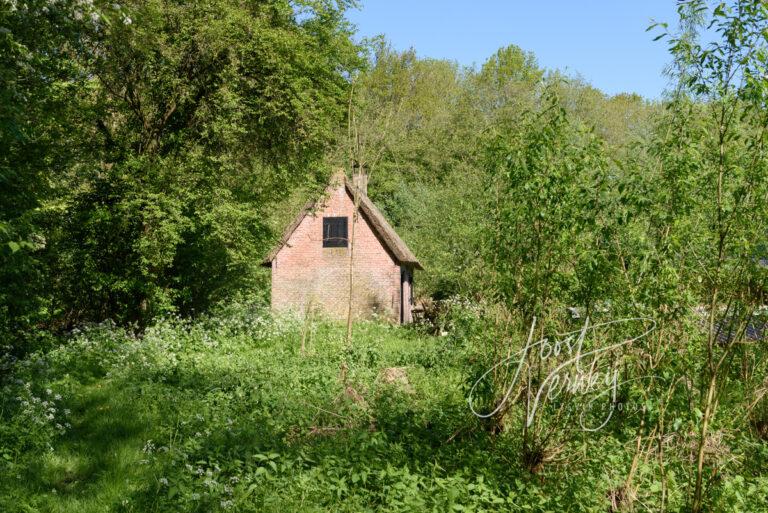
pixel 604 42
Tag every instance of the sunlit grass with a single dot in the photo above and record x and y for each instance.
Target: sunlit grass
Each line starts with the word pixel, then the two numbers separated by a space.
pixel 98 462
pixel 233 417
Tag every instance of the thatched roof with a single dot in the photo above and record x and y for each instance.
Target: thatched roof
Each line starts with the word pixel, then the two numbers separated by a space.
pixel 383 230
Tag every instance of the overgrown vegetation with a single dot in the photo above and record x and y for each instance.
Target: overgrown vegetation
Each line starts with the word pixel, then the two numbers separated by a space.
pixel 226 414
pixel 143 142
pixel 151 151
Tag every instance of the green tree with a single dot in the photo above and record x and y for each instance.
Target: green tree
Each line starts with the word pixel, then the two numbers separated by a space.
pixel 185 121
pixel 506 85
pixel 546 198
pixel 715 188
pixel 38 78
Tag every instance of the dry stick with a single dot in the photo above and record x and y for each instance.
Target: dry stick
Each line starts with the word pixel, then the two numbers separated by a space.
pixel 308 314
pixel 351 269
pixel 501 373
pixel 323 410
pixel 357 150
pixel 636 457
pixel 355 214
pixel 660 447
pixel 350 123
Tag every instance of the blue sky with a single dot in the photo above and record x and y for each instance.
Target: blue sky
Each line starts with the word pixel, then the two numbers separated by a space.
pixel 604 42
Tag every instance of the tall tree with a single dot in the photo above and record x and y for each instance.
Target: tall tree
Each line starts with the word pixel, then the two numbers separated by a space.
pixel 716 183
pixel 546 181
pixel 38 78
pixel 186 120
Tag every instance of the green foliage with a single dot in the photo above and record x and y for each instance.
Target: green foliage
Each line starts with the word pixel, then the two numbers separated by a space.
pixel 150 151
pixel 224 413
pixel 149 141
pixel 36 85
pixel 546 179
pixel 510 64
pixel 423 127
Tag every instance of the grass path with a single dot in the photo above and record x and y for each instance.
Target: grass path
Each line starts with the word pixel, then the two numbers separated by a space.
pixel 99 461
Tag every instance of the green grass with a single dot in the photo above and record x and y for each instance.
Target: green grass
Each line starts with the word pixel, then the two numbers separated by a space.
pixel 221 398
pixel 228 415
pixel 97 462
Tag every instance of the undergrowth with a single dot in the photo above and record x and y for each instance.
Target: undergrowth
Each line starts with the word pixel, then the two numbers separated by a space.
pixel 227 414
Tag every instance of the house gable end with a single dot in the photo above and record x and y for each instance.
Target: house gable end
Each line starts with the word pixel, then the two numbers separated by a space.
pixel 376 221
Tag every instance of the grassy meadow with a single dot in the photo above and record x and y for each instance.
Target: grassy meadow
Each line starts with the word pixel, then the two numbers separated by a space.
pixel 227 414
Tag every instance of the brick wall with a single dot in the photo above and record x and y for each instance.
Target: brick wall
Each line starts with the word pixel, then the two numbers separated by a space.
pixel 305 275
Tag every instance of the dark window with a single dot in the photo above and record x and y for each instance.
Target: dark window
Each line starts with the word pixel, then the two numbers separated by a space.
pixel 334 232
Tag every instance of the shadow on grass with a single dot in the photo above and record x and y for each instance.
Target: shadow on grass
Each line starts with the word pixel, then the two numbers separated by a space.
pixel 94 464
pixel 98 463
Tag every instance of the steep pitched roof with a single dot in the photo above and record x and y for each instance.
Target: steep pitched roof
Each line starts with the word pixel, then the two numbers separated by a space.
pixel 376 219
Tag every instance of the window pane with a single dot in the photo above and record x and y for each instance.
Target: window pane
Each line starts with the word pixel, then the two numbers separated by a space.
pixel 334 232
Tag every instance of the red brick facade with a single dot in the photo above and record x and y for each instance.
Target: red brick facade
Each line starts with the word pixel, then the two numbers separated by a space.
pixel 307 276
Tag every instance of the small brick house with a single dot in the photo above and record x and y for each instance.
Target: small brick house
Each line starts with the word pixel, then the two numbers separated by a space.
pixel 311 263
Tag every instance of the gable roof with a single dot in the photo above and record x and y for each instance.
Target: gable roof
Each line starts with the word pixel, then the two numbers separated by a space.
pixel 383 230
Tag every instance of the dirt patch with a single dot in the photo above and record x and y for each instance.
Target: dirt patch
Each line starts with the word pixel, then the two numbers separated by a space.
pixel 396 376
